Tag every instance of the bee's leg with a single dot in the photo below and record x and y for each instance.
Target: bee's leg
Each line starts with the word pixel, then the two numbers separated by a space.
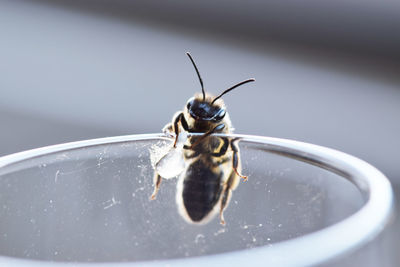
pixel 219 127
pixel 235 158
pixel 184 123
pixel 225 199
pixel 157 183
pixel 226 195
pixel 179 119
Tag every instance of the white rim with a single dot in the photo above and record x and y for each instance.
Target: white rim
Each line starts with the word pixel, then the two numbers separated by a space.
pixel 310 249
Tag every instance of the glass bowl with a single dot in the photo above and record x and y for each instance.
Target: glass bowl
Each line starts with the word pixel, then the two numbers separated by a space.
pixel 89 202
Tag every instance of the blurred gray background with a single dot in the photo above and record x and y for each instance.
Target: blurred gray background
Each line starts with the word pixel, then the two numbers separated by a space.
pixel 327 73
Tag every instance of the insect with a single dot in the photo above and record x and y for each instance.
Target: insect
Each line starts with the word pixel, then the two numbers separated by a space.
pixel 212 164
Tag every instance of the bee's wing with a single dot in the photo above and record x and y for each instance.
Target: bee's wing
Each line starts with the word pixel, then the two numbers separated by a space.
pixel 171 164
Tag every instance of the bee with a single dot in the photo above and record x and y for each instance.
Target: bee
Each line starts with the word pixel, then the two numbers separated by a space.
pixel 212 164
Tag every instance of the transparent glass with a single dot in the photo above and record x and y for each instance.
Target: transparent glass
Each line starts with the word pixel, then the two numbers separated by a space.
pixel 89 201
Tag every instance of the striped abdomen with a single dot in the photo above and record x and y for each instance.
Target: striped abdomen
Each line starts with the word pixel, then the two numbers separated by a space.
pixel 201 190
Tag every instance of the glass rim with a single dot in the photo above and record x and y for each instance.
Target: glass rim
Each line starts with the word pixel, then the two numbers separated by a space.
pixel 313 248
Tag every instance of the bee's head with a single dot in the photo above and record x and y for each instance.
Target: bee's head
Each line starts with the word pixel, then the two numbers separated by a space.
pixel 205 109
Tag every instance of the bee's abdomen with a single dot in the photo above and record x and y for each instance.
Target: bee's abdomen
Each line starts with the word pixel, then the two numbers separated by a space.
pixel 201 190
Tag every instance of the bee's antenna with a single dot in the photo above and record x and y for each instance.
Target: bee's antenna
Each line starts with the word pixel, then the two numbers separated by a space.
pixel 198 74
pixel 233 87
